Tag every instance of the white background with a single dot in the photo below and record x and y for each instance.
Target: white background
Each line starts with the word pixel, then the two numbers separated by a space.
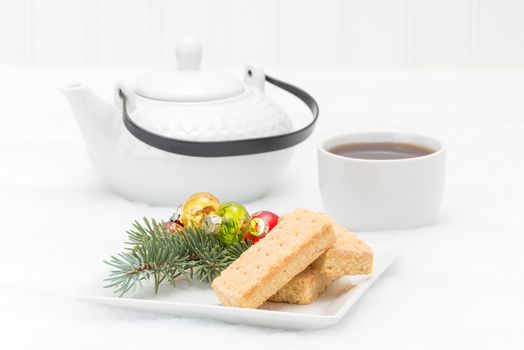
pixel 458 283
pixel 391 33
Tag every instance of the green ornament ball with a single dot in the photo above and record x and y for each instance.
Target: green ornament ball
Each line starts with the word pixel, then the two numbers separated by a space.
pixel 233 221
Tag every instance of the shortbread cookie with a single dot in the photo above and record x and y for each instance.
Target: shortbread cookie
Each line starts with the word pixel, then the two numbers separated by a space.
pixel 304 288
pixel 266 267
pixel 349 256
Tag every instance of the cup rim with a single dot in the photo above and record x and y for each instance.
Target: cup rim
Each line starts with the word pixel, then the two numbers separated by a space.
pixel 440 148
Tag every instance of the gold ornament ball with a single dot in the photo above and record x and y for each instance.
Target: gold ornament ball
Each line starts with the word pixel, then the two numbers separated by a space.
pixel 197 207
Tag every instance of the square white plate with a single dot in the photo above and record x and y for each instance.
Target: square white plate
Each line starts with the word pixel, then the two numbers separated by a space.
pixel 197 300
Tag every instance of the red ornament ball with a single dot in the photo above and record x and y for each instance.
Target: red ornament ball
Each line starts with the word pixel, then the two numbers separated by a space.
pixel 173 226
pixel 261 223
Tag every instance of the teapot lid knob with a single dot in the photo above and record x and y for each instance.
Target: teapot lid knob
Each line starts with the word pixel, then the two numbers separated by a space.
pixel 188 54
pixel 187 82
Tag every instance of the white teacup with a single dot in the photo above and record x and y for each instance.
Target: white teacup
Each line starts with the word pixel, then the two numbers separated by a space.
pixel 382 194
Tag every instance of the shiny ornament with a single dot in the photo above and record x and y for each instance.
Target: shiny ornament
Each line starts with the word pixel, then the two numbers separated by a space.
pixel 229 223
pixel 173 226
pixel 261 223
pixel 197 207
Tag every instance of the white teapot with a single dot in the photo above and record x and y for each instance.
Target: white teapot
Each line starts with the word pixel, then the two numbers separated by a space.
pixel 183 130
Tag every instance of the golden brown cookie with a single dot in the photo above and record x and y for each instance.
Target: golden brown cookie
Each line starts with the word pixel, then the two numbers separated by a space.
pixel 298 240
pixel 349 256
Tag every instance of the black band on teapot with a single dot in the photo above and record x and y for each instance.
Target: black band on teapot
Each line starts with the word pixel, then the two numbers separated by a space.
pixel 228 148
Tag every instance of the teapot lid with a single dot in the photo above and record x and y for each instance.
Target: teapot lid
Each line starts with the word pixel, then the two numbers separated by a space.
pixel 187 82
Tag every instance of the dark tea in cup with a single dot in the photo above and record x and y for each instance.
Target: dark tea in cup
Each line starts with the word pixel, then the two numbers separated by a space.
pixel 381 180
pixel 380 150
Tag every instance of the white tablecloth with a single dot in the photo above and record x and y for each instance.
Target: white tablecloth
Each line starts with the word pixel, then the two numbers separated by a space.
pixel 458 283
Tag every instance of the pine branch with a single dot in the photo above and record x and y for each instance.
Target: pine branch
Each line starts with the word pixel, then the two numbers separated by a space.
pixel 155 252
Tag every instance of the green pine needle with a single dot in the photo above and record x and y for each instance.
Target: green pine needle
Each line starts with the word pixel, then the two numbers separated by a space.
pixel 154 252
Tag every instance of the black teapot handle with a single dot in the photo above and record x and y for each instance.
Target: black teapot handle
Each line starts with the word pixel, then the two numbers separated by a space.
pixel 228 148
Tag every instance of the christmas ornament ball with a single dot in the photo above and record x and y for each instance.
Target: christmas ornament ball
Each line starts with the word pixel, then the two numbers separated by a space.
pixel 230 222
pixel 173 226
pixel 198 206
pixel 261 223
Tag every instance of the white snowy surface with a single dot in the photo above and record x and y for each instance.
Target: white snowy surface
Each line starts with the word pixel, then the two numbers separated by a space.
pixel 458 283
